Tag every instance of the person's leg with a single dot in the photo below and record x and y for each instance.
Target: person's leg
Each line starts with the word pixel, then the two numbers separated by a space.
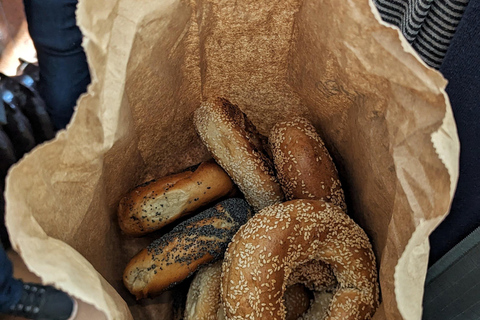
pixel 64 73
pixel 461 67
pixel 10 288
pixel 29 300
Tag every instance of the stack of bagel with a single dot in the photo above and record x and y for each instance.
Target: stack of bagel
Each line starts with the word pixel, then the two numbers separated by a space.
pixel 281 248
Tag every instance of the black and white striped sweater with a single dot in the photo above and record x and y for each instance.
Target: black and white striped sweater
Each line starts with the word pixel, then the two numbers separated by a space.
pixel 428 25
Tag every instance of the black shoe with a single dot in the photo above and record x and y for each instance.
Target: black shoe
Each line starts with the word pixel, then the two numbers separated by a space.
pixel 44 303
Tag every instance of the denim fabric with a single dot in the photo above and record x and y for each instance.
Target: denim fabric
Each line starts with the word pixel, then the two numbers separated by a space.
pixel 10 288
pixel 64 73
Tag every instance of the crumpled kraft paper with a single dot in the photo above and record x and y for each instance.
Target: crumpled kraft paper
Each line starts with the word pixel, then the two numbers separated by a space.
pixel 383 113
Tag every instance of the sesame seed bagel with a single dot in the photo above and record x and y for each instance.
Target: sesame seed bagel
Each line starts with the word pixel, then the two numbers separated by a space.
pixel 157 203
pixel 178 254
pixel 237 146
pixel 304 167
pixel 318 277
pixel 278 239
pixel 204 302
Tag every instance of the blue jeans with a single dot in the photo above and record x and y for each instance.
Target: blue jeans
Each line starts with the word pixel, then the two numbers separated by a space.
pixel 10 288
pixel 64 73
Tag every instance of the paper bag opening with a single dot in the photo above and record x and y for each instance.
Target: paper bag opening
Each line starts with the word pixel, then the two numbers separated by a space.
pixel 382 112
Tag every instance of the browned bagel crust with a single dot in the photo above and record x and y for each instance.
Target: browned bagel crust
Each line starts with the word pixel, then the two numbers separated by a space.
pixel 178 254
pixel 203 299
pixel 306 170
pixel 204 303
pixel 304 167
pixel 277 240
pixel 155 204
pixel 237 147
pixel 315 275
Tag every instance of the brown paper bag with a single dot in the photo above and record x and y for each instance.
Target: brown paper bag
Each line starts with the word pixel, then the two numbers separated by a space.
pixel 384 115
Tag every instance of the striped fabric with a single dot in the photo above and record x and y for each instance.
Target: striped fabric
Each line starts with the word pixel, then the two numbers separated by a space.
pixel 428 25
